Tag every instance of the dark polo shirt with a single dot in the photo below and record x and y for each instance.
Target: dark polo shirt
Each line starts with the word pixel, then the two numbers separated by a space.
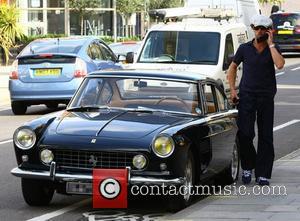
pixel 258 70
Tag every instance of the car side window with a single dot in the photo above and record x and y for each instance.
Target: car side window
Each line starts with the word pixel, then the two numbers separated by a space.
pixel 209 99
pixel 94 52
pixel 229 51
pixel 221 100
pixel 107 54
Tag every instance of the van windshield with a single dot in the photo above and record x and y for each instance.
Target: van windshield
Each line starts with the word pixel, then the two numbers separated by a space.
pixel 181 47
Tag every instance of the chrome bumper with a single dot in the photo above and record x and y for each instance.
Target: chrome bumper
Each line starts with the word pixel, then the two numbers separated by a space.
pixel 52 175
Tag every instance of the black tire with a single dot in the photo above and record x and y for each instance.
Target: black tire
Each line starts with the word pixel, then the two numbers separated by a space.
pixel 18 108
pixel 37 192
pixel 231 173
pixel 52 105
pixel 185 169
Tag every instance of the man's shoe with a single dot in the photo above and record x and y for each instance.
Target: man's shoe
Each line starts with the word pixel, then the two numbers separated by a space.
pixel 246 176
pixel 262 181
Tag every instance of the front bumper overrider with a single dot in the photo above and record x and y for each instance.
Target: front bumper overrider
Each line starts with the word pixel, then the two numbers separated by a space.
pixel 78 177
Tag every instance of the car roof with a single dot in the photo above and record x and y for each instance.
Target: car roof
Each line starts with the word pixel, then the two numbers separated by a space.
pixel 64 45
pixel 174 75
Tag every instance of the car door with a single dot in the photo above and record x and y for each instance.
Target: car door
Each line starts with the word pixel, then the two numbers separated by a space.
pixel 109 56
pixel 221 123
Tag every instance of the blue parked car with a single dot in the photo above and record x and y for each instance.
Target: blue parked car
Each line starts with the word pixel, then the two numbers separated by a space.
pixel 48 71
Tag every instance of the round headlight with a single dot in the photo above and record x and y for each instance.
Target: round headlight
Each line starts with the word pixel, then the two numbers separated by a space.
pixel 47 156
pixel 24 138
pixel 139 161
pixel 163 146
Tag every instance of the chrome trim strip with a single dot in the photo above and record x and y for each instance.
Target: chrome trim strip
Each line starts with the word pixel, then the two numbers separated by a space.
pixel 82 177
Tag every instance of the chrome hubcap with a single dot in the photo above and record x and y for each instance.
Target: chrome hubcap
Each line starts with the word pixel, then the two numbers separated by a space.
pixel 188 180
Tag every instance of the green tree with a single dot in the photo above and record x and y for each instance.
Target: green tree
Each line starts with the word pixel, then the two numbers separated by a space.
pixel 127 7
pixel 10 31
pixel 274 2
pixel 156 4
pixel 81 6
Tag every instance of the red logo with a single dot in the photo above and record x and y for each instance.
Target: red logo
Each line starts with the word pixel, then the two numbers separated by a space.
pixel 110 188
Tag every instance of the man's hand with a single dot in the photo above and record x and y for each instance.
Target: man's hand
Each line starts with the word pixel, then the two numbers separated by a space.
pixel 270 38
pixel 233 96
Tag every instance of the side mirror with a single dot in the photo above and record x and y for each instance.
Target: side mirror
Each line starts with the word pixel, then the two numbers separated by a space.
pixel 129 57
pixel 121 58
pixel 228 61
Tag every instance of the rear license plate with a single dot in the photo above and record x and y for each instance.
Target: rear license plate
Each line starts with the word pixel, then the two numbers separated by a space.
pixel 285 32
pixel 47 72
pixel 79 188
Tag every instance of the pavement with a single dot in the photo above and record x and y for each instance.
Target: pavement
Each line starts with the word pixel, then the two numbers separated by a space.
pixel 4 93
pixel 280 201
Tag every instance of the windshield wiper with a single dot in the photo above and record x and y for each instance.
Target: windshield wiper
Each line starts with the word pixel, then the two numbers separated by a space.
pixel 88 108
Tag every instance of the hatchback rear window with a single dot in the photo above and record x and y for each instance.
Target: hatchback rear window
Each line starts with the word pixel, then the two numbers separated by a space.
pixel 53 46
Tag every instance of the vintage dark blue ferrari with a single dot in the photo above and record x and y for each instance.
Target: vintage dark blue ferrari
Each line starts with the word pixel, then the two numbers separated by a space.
pixel 165 128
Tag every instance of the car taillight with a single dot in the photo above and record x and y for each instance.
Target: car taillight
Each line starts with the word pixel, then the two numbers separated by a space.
pixel 80 68
pixel 14 72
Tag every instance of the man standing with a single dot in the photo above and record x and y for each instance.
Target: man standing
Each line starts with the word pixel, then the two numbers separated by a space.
pixel 256 99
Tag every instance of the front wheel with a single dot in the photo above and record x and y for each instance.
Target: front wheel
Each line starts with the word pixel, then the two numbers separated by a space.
pixel 183 198
pixel 37 192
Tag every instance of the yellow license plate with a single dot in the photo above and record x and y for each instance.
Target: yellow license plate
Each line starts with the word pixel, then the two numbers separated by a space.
pixel 46 72
pixel 285 32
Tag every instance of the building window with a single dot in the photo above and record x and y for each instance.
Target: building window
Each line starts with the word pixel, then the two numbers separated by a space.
pixel 35 16
pixel 35 3
pixel 55 3
pixel 56 21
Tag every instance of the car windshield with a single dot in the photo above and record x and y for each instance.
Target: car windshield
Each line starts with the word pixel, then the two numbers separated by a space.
pixel 181 47
pixel 286 21
pixel 137 94
pixel 57 45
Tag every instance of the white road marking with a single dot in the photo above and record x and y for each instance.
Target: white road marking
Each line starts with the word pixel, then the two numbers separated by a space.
pixel 280 73
pixel 288 86
pixel 286 104
pixel 295 69
pixel 285 125
pixel 289 156
pixel 74 206
pixel 48 216
pixel 5 141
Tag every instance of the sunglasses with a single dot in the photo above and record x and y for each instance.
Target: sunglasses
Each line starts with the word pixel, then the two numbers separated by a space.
pixel 260 27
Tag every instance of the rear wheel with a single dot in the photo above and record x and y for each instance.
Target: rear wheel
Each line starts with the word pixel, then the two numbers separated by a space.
pixel 231 173
pixel 186 169
pixel 37 192
pixel 18 108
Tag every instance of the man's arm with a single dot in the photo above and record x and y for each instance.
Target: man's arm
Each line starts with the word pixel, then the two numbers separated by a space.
pixel 276 56
pixel 231 74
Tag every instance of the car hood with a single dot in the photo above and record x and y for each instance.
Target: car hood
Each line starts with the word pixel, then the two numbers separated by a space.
pixel 115 124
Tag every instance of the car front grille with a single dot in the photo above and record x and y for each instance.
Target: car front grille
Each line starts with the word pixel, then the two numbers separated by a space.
pixel 74 159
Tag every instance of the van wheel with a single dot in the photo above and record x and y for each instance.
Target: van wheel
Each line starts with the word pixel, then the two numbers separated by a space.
pixel 18 108
pixel 37 192
pixel 185 169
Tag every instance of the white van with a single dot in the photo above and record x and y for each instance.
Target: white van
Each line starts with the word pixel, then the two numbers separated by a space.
pixel 202 45
pixel 244 9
